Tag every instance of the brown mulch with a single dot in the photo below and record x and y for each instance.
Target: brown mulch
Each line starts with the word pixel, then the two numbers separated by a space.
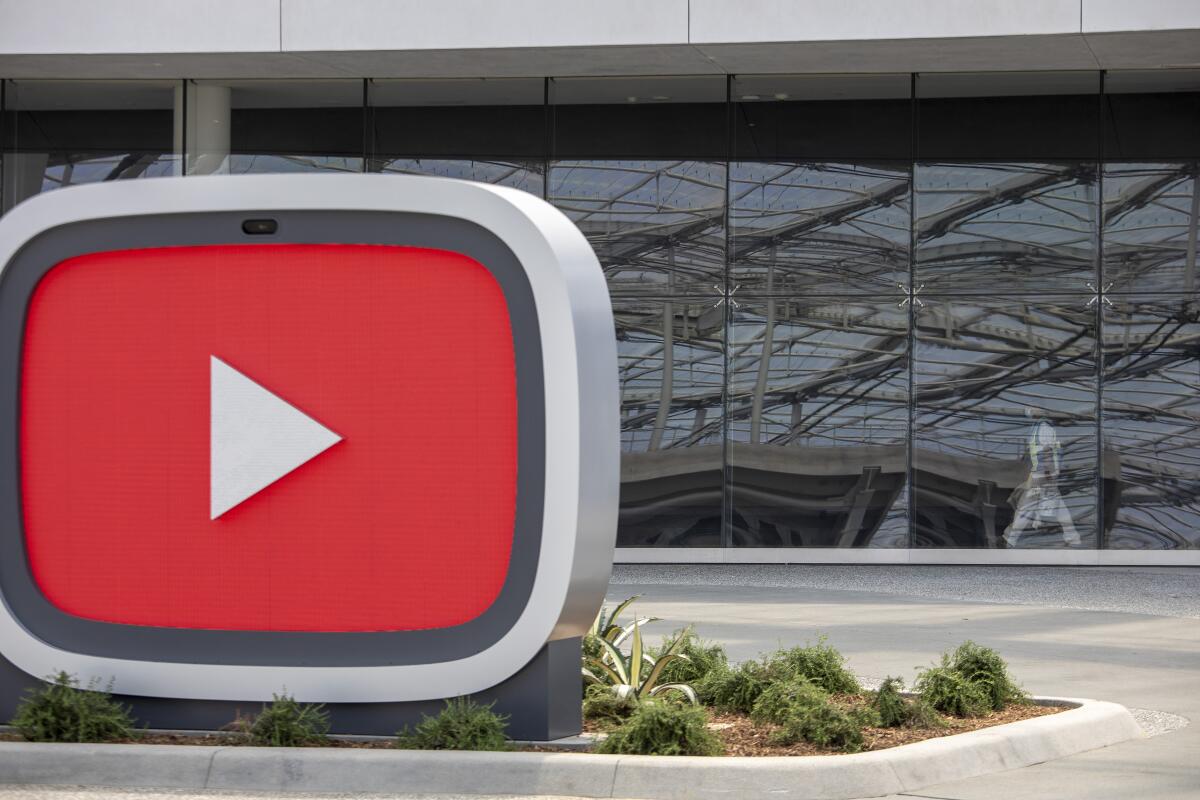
pixel 744 738
pixel 738 733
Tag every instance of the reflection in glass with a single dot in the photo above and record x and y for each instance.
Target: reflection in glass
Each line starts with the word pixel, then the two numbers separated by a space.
pixel 488 130
pixel 821 228
pixel 1152 421
pixel 657 226
pixel 818 428
pixel 1037 500
pixel 526 176
pixel 672 375
pixel 64 133
pixel 1150 226
pixel 1004 438
pixel 1005 227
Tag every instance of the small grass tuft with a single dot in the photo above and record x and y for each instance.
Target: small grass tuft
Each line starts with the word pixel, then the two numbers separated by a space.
pixel 663 729
pixel 820 663
pixel 945 690
pixel 461 725
pixel 60 711
pixel 734 688
pixel 803 711
pixel 823 724
pixel 984 668
pixel 286 723
pixel 781 698
pixel 890 704
pixel 895 710
pixel 604 707
pixel 701 658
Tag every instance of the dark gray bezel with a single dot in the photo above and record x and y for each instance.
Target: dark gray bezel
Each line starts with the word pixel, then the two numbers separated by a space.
pixel 19 590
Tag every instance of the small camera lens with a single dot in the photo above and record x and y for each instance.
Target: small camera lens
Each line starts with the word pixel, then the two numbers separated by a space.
pixel 260 227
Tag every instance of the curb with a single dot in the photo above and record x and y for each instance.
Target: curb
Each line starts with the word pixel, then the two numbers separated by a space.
pixel 1090 724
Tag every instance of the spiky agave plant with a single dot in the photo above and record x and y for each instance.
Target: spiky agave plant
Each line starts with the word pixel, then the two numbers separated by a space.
pixel 636 676
pixel 607 627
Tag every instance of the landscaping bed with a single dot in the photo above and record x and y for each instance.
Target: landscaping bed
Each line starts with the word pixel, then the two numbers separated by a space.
pixel 680 698
pixel 739 734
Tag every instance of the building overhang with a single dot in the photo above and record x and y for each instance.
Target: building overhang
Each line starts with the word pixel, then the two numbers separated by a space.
pixel 469 38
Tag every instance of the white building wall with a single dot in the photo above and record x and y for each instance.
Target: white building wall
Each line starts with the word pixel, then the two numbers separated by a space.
pixel 383 38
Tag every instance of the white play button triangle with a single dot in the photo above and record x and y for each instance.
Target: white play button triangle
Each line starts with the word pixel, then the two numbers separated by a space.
pixel 256 438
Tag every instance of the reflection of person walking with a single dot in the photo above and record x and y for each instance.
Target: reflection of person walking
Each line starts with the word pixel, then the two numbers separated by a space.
pixel 1038 499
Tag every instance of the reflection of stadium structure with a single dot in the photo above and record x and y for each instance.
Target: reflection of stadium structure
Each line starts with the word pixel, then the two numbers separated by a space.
pixel 810 444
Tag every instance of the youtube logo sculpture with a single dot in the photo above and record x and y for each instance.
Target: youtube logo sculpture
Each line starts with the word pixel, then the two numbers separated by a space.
pixel 352 437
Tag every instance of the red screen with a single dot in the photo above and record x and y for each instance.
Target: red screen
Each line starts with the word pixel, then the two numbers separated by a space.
pixel 406 353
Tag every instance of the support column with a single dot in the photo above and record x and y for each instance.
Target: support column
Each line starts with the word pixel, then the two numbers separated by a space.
pixel 202 124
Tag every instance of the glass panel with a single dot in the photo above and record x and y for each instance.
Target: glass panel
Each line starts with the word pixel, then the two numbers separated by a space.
pixel 528 176
pixel 658 227
pixel 818 430
pixel 62 133
pixel 244 127
pixel 1152 422
pixel 1005 227
pixel 1004 439
pixel 489 130
pixel 672 376
pixel 1152 114
pixel 640 117
pixel 1150 226
pixel 1011 116
pixel 831 117
pixel 819 228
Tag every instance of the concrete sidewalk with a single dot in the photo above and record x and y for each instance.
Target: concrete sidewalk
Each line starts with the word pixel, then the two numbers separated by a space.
pixel 890 620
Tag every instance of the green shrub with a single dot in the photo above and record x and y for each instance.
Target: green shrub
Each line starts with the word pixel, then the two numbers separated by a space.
pixel 286 723
pixel 604 707
pixel 781 697
pixel 700 658
pixel 890 704
pixel 944 689
pixel 820 663
pixel 895 710
pixel 822 724
pixel 62 712
pixel 804 712
pixel 734 689
pixel 461 725
pixel 663 729
pixel 984 667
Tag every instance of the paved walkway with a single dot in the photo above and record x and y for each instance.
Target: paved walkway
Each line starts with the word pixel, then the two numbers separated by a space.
pixel 1128 635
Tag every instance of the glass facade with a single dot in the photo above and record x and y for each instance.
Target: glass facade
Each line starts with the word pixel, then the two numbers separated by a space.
pixel 852 311
pixel 63 133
